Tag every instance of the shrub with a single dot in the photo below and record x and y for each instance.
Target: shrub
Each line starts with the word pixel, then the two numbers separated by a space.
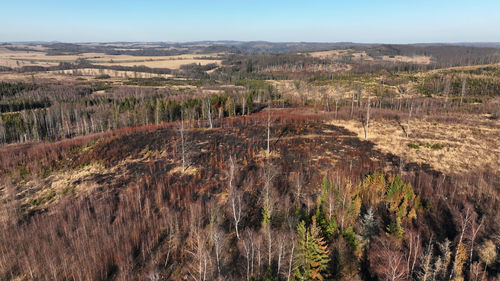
pixel 414 146
pixel 103 76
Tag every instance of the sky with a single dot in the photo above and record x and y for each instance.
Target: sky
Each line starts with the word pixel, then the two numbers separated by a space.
pixel 362 21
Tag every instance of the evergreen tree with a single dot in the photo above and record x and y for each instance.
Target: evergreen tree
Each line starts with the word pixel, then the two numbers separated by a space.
pixel 312 255
pixel 368 225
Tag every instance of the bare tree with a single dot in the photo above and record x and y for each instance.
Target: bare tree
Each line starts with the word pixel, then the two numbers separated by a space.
pixel 243 104
pixel 388 260
pixel 268 202
pixel 352 103
pixel 2 131
pixel 219 238
pixel 464 85
pixel 245 244
pixel 326 97
pixel 183 142
pixel 281 244
pixel 157 111
pixel 413 240
pixel 197 245
pixel 187 148
pixel 208 104
pixel 297 192
pixel 426 270
pixel 475 228
pixel 441 265
pixel 460 254
pixel 290 261
pixel 268 151
pixel 446 90
pixel 367 116
pixel 217 235
pixel 234 197
pixel 409 118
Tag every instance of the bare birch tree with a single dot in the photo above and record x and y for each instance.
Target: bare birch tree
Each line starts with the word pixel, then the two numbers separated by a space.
pixel 234 197
pixel 464 86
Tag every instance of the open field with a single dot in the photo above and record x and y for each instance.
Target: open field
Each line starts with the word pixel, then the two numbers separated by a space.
pixel 15 59
pixel 451 148
pixel 170 62
pixel 363 56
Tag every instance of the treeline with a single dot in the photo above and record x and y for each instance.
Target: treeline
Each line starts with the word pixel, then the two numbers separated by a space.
pixel 460 84
pixel 86 64
pixel 54 119
pixel 8 89
pixel 23 104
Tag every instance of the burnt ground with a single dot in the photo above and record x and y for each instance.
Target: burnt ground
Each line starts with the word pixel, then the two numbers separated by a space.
pixel 298 145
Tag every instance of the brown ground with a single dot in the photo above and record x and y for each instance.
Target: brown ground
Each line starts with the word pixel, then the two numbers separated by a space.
pixel 466 146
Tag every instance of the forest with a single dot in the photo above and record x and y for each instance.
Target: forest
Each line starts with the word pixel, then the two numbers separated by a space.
pixel 273 164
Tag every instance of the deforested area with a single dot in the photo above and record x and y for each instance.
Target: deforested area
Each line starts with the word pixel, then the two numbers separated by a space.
pixel 248 160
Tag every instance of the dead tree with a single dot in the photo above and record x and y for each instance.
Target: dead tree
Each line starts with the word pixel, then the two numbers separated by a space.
pixel 219 242
pixel 243 104
pixel 352 103
pixel 464 222
pixel 246 244
pixel 388 260
pixel 208 104
pixel 414 248
pixel 268 202
pixel 234 198
pixel 281 245
pixel 183 143
pixel 268 150
pixel 367 117
pixel 197 245
pixel 464 85
pixel 297 192
pixel 446 90
pixel 475 228
pixel 290 261
pixel 426 268
pixel 409 118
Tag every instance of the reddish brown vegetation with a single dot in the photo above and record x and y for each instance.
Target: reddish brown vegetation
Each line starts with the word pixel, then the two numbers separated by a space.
pixel 146 220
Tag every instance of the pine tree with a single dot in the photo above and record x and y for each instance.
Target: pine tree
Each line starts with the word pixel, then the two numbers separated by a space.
pixel 312 255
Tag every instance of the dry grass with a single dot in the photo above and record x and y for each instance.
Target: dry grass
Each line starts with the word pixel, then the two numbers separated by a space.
pixel 465 146
pixel 16 59
pixel 407 59
pixel 313 92
pixel 28 77
pixel 172 63
pixel 338 54
pixel 41 193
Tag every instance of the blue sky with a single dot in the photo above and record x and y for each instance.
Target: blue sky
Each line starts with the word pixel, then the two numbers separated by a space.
pixel 377 21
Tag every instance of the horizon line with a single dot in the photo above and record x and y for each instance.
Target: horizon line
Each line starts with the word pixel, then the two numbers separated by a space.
pixel 249 41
